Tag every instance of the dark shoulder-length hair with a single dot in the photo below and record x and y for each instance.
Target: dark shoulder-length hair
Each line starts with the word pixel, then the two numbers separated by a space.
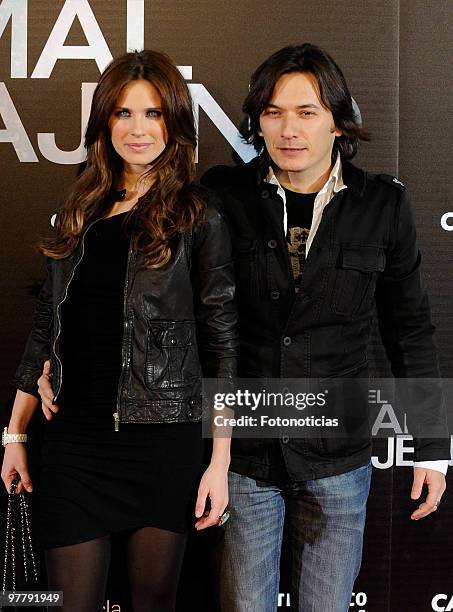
pixel 172 204
pixel 332 90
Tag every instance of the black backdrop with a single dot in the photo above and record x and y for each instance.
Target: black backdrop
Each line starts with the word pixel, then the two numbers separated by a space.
pixel 397 58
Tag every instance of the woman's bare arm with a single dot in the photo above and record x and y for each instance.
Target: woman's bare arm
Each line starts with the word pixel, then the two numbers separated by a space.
pixel 15 457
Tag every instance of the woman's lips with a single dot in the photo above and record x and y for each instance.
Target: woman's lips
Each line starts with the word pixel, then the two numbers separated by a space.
pixel 139 147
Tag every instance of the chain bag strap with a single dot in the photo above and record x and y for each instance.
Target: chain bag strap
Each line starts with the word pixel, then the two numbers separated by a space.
pixel 18 527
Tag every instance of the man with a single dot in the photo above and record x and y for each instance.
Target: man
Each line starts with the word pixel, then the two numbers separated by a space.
pixel 318 244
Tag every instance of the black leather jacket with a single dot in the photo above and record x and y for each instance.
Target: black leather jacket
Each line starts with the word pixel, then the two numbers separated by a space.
pixel 179 324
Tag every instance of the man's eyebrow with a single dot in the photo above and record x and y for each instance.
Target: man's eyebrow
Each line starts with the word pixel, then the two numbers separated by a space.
pixel 309 106
pixel 299 106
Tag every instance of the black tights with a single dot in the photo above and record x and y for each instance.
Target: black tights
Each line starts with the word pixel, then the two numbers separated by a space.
pixel 154 559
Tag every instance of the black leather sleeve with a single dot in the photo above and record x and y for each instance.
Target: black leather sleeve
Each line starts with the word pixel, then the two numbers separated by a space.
pixel 212 273
pixel 37 348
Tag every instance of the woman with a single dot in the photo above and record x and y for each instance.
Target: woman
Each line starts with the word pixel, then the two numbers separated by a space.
pixel 138 304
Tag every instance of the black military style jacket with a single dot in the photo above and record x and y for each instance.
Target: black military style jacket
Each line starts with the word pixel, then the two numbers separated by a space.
pixel 179 324
pixel 364 255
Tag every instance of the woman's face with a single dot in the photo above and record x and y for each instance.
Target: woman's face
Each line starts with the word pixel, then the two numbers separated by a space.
pixel 137 126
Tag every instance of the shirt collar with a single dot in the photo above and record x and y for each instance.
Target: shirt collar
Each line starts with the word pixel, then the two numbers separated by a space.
pixel 334 183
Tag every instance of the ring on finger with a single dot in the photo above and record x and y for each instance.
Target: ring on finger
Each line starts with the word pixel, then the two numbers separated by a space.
pixel 223 518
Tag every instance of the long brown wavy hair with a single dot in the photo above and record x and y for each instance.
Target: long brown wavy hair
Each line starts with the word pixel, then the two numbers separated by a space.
pixel 172 204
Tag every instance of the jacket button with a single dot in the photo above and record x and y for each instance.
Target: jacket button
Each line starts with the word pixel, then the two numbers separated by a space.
pixel 194 415
pixel 287 340
pixel 272 244
pixel 265 194
pixel 275 295
pixel 285 439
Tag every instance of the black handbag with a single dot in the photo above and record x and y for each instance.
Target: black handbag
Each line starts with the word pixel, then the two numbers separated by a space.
pixel 19 553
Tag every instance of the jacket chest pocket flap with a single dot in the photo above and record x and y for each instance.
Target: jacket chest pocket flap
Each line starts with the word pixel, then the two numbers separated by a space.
pixel 171 354
pixel 355 280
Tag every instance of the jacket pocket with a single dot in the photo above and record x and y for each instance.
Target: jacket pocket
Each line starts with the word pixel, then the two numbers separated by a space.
pixel 355 281
pixel 171 354
pixel 347 399
pixel 335 448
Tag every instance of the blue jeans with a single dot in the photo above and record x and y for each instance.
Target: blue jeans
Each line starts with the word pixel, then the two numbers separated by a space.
pixel 326 519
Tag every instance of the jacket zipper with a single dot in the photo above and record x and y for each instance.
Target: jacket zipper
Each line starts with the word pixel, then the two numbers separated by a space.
pixel 57 335
pixel 116 415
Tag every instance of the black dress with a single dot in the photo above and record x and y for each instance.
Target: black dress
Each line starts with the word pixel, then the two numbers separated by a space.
pixel 95 480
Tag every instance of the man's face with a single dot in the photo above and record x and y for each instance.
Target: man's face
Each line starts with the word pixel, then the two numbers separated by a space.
pixel 299 132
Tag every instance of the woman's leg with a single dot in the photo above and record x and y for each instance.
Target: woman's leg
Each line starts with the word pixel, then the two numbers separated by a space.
pixel 80 571
pixel 154 558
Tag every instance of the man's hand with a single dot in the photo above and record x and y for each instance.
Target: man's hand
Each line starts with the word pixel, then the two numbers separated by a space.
pixel 436 487
pixel 45 390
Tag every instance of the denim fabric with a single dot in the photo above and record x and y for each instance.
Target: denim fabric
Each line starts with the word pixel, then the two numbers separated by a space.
pixel 326 519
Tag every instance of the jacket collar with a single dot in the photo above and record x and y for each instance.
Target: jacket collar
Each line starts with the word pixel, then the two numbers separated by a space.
pixel 353 177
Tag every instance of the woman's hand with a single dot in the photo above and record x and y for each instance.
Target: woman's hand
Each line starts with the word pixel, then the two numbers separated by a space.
pixel 214 484
pixel 45 390
pixel 15 462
